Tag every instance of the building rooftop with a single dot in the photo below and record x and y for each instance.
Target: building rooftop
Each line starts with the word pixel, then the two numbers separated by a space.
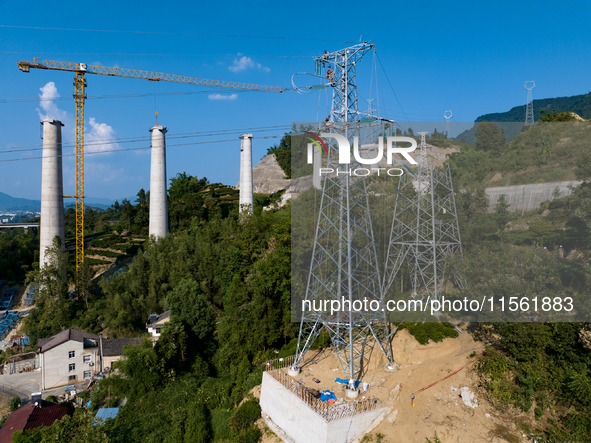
pixel 29 417
pixel 89 340
pixel 157 320
pixel 113 347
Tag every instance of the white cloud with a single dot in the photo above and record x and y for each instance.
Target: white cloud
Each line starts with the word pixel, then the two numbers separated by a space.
pixel 49 108
pixel 243 63
pixel 99 138
pixel 223 96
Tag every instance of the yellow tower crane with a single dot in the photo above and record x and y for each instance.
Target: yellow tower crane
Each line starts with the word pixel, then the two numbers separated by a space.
pixel 80 69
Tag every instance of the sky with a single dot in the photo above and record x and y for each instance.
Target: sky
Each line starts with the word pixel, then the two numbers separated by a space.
pixel 432 56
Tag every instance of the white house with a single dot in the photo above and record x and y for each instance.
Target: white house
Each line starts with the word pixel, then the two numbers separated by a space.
pixel 68 357
pixel 156 322
pixel 73 356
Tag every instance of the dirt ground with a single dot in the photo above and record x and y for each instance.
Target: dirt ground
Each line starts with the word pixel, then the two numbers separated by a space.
pixel 454 408
pixel 4 404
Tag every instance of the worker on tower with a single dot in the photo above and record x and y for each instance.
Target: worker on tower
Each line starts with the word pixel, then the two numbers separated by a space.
pixel 560 253
pixel 329 76
pixel 324 58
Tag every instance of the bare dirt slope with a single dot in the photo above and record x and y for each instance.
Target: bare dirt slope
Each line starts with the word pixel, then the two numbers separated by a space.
pixel 454 408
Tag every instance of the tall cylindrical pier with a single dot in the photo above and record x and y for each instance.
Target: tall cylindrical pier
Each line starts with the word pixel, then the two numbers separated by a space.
pixel 52 188
pixel 158 204
pixel 246 198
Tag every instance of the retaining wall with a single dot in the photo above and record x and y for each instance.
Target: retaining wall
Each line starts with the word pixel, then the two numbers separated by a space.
pixel 526 197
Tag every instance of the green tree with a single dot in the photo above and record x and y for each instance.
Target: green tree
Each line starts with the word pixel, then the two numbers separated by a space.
pixel 197 427
pixel 142 368
pixel 540 229
pixel 245 416
pixel 53 305
pixel 583 167
pixel 282 153
pixel 19 253
pixel 579 385
pixel 489 137
pixel 189 334
pixel 15 403
pixel 84 283
pixel 141 219
pixel 564 116
pixel 189 307
pixel 502 212
pixel 127 215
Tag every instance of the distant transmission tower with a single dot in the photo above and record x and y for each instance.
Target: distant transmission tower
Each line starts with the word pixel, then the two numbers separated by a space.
pixel 425 228
pixel 344 260
pixel 448 115
pixel 529 107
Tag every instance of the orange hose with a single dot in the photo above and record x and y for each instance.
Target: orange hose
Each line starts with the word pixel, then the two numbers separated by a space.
pixel 454 372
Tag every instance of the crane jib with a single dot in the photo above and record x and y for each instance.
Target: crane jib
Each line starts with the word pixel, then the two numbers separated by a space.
pixel 25 66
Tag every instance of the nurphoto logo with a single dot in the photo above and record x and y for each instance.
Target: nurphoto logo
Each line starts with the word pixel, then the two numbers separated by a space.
pixel 345 153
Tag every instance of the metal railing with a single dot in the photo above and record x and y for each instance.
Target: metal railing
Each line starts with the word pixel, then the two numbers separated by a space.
pixel 326 411
pixel 279 363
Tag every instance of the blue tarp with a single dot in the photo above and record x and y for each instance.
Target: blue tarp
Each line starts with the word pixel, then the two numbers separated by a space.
pixel 346 380
pixel 104 413
pixel 327 395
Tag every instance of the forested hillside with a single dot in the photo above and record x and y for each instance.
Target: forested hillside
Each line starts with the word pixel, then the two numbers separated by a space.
pixel 579 104
pixel 545 152
pixel 227 281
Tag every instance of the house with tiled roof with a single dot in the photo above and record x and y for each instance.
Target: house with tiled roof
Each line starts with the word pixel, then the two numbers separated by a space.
pixel 113 348
pixel 73 356
pixel 31 416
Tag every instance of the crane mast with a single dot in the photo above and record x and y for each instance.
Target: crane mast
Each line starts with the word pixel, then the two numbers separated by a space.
pixel 79 96
pixel 80 69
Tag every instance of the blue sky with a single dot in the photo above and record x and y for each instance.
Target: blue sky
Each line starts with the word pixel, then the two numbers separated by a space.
pixel 465 56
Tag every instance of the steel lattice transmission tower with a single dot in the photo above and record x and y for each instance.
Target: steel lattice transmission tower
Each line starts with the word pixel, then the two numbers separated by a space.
pixel 344 260
pixel 529 107
pixel 448 115
pixel 425 228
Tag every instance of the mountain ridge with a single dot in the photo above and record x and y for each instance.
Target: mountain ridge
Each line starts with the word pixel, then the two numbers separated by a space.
pixel 580 104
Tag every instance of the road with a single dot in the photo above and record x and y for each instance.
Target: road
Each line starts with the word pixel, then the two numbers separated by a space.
pixel 24 383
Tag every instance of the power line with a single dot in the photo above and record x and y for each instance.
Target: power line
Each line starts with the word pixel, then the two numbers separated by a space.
pixel 459 124
pixel 157 55
pixel 138 149
pixel 114 31
pixel 119 140
pixel 391 87
pixel 139 94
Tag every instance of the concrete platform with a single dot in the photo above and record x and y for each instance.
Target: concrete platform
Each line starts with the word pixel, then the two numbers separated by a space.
pixel 297 418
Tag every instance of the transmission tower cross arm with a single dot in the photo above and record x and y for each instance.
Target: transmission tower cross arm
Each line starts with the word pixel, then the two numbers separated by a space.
pixel 26 66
